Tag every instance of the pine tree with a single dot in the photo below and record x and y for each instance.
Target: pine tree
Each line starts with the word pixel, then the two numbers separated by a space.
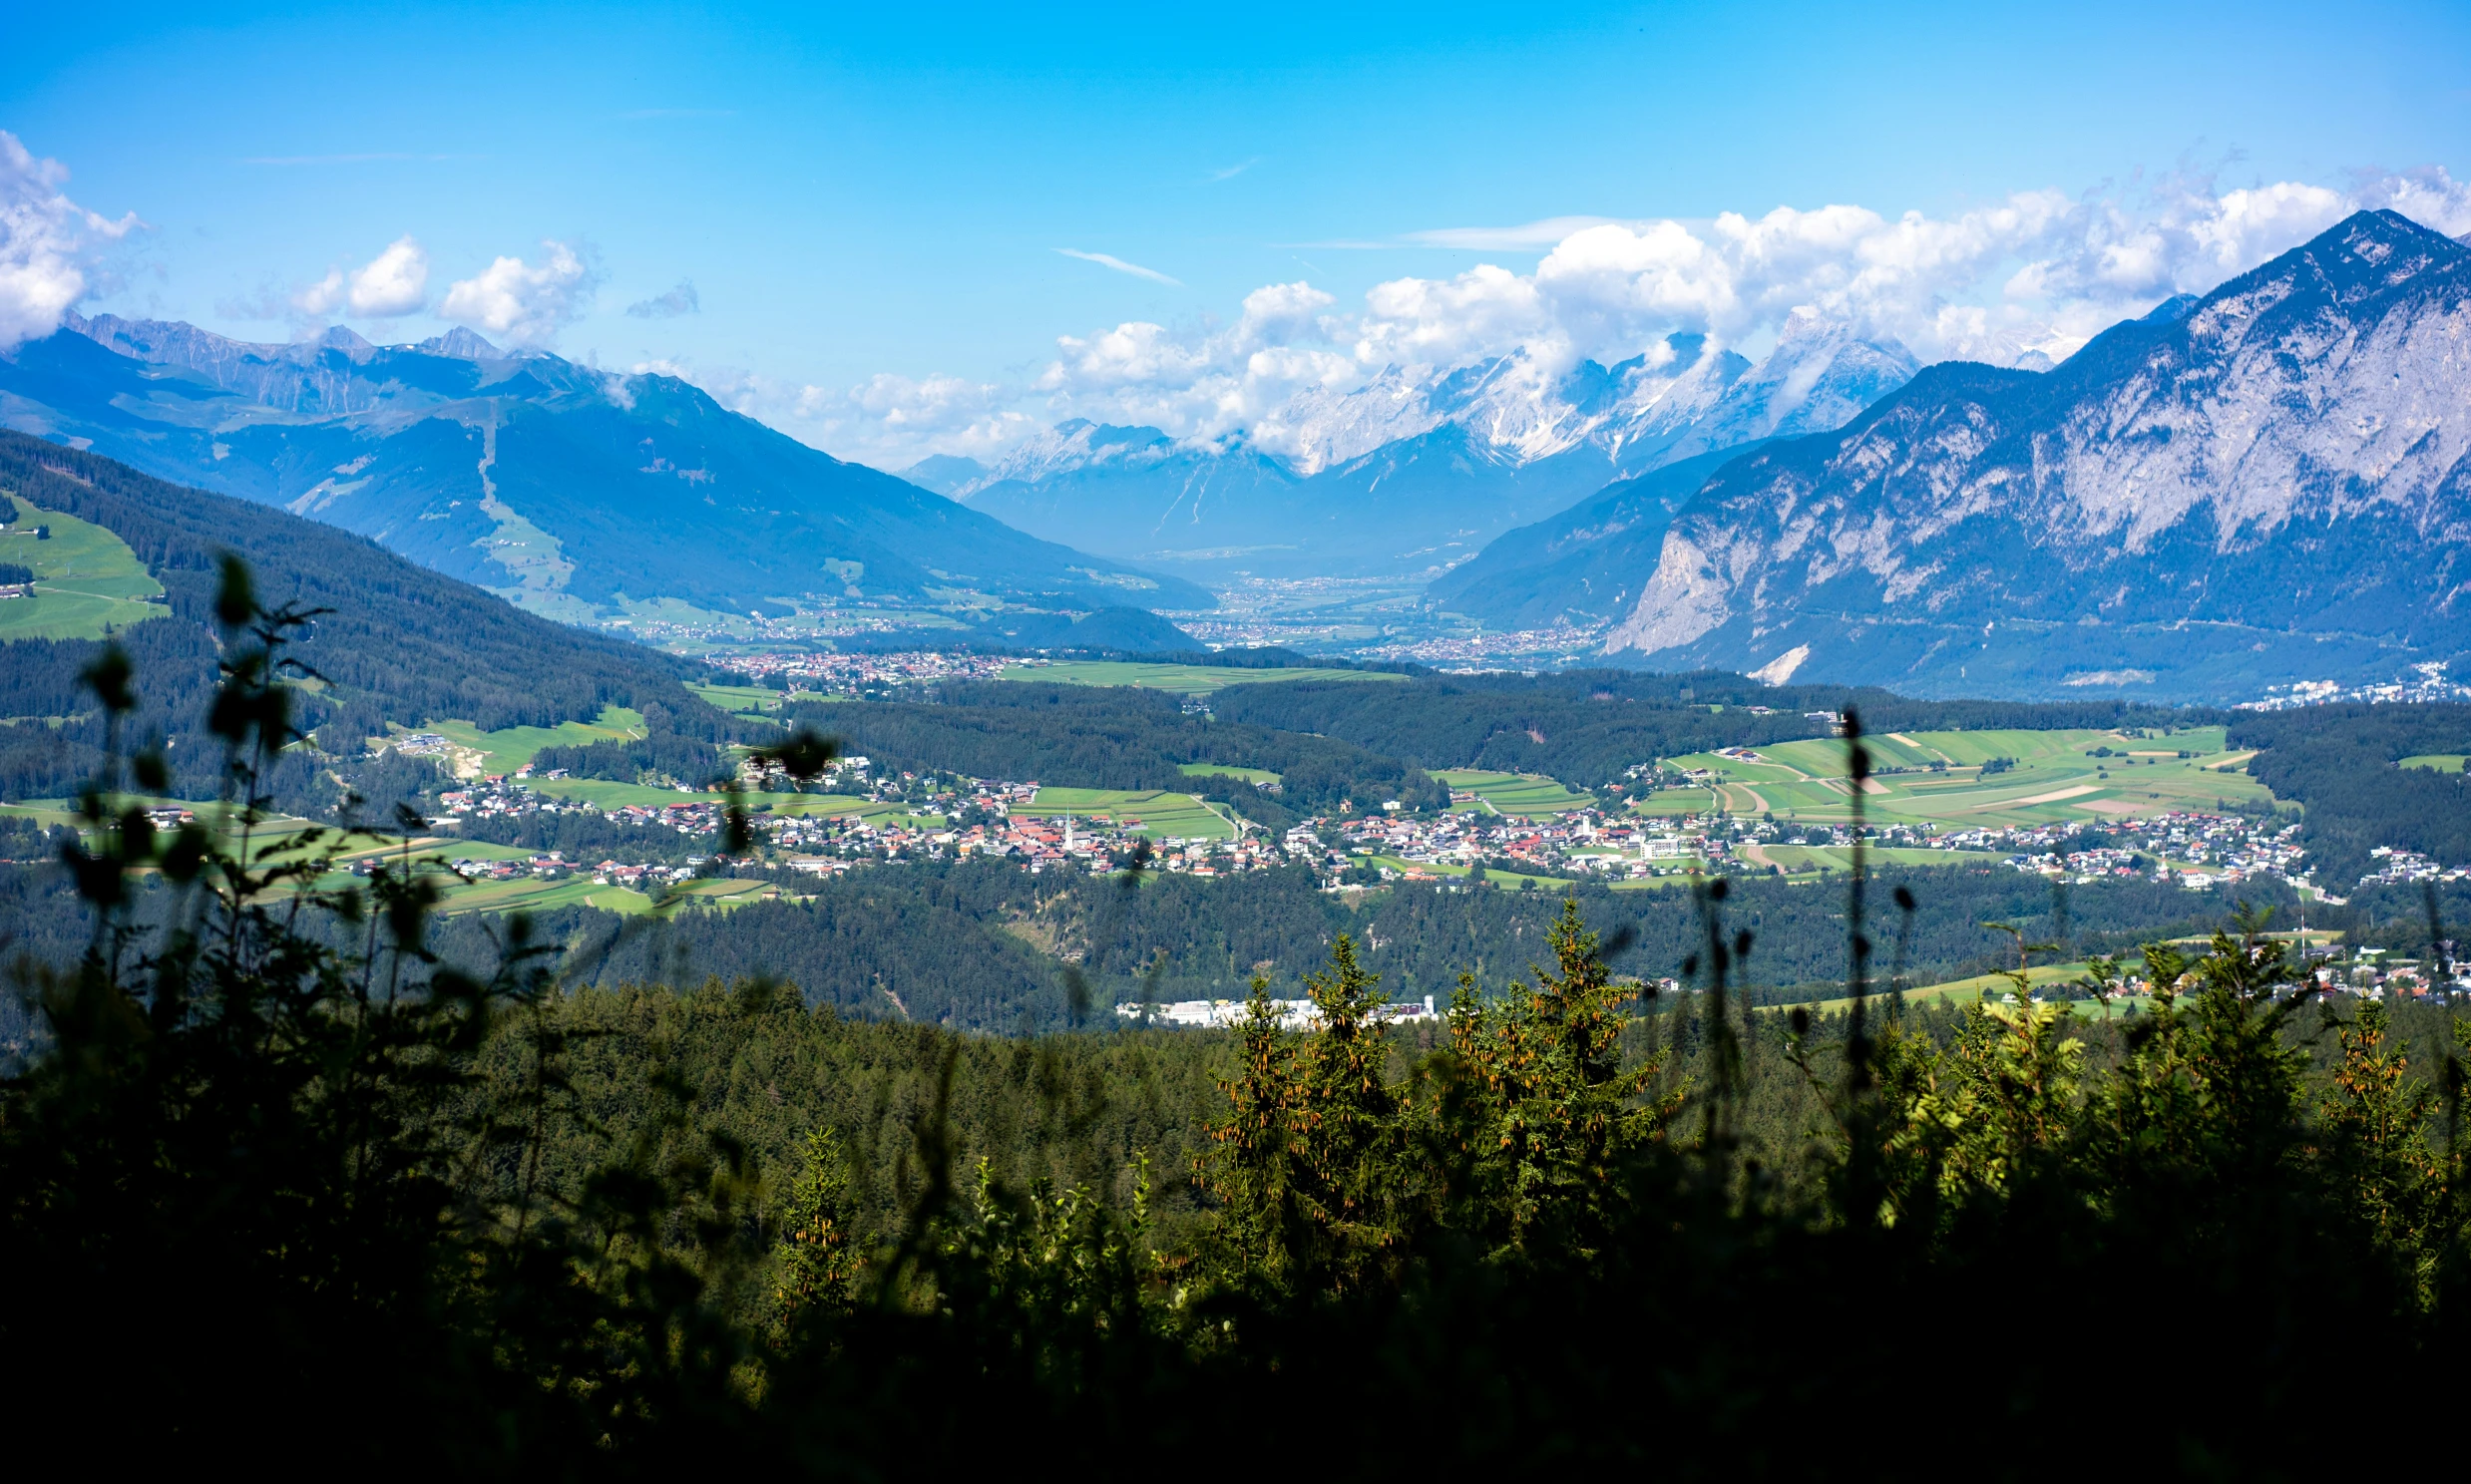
pixel 816 1262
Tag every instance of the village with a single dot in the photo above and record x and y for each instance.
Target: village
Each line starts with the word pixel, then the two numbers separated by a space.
pixel 864 816
pixel 839 674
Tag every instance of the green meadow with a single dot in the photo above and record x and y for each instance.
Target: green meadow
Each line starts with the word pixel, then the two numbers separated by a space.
pixel 755 700
pixel 1794 859
pixel 2054 775
pixel 1223 770
pixel 611 794
pixel 87 582
pixel 1162 815
pixel 507 750
pixel 1522 795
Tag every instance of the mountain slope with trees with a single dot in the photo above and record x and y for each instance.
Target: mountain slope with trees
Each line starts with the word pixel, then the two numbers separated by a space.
pixel 558 485
pixel 398 644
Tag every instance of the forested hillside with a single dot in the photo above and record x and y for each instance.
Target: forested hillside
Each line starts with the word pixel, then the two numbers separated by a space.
pixel 1585 727
pixel 1113 737
pixel 2340 762
pixel 397 644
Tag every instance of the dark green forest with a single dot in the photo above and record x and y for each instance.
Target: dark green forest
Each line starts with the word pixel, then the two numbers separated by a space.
pixel 2340 763
pixel 1114 737
pixel 986 948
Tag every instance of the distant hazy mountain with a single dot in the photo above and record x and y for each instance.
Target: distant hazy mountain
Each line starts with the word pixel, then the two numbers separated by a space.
pixel 1122 490
pixel 1406 476
pixel 1584 565
pixel 562 486
pixel 2271 483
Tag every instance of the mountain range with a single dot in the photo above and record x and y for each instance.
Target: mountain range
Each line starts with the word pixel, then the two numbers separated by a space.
pixel 2268 483
pixel 574 492
pixel 1410 476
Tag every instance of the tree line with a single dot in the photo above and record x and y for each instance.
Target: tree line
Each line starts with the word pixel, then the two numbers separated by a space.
pixel 2340 763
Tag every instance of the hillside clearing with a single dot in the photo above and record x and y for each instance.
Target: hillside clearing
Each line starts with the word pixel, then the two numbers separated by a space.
pixel 86 582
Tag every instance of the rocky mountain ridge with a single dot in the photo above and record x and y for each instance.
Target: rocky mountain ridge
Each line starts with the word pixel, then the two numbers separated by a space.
pixel 2271 483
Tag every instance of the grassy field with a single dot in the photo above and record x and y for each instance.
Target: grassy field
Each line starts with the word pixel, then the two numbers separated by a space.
pixel 1672 802
pixel 509 749
pixel 755 700
pixel 1222 770
pixel 535 894
pixel 1508 880
pixel 610 794
pixel 2436 762
pixel 86 579
pixel 2055 777
pixel 1796 859
pixel 1162 815
pixel 1965 992
pixel 1524 795
pixel 1183 679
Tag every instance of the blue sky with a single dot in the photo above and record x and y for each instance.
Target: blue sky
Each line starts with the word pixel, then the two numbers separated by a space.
pixel 891 191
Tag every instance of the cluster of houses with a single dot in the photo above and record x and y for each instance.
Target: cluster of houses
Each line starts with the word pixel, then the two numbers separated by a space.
pixel 902 816
pixel 847 672
pixel 982 823
pixel 2375 973
pixel 2396 866
pixel 2426 682
pixel 1588 841
pixel 2198 851
pixel 1293 1014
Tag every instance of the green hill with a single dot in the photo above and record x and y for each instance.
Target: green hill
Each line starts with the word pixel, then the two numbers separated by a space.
pixel 397 644
pixel 567 489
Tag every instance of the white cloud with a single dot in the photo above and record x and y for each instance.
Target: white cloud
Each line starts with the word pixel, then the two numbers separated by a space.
pixel 316 300
pixel 521 303
pixel 48 244
pixel 1110 260
pixel 886 420
pixel 2027 278
pixel 395 282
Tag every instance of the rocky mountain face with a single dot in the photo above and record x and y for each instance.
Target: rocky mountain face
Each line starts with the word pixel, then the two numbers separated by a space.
pixel 2271 483
pixel 574 492
pixel 1403 476
pixel 1584 566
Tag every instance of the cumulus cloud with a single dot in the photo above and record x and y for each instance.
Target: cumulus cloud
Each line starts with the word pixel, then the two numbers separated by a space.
pixel 392 284
pixel 1110 260
pixel 523 304
pixel 48 244
pixel 670 305
pixel 395 282
pixel 2022 280
pixel 887 421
